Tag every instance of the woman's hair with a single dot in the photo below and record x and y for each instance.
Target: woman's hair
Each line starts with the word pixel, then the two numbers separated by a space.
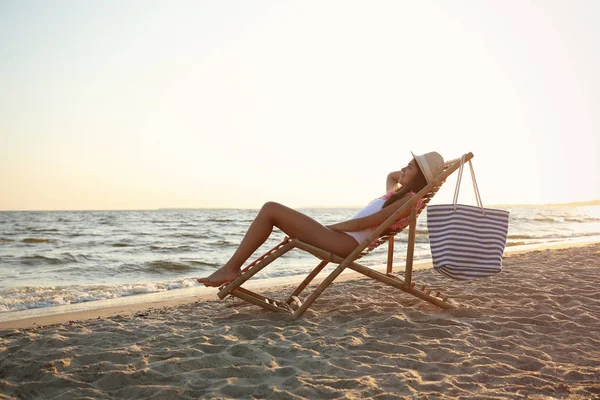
pixel 417 183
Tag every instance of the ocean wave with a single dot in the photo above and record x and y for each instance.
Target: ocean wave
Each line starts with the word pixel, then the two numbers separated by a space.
pixel 546 219
pixel 166 267
pixel 29 297
pixel 552 235
pixel 556 219
pixel 42 230
pixel 37 260
pixel 202 263
pixel 160 267
pixel 121 245
pixel 171 248
pixel 421 236
pixel 38 240
pixel 515 219
pixel 221 243
pixel 509 244
pixel 221 220
pixel 522 236
pixel 76 234
pixel 582 220
pixel 191 235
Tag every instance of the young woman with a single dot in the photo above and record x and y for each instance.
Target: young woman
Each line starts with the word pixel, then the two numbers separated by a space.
pixel 340 238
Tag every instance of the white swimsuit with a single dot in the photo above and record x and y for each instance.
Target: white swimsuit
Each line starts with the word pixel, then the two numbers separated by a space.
pixel 371 208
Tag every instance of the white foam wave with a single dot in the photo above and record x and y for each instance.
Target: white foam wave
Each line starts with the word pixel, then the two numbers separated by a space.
pixel 28 297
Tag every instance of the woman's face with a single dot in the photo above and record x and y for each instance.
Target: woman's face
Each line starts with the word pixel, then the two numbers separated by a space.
pixel 408 173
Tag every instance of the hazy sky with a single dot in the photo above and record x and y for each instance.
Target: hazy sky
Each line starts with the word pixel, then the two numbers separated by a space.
pixel 148 104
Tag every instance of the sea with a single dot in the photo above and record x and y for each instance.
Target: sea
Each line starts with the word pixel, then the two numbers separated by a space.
pixel 55 258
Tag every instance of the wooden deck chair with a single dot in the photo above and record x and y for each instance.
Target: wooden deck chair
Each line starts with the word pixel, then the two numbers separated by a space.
pixel 294 306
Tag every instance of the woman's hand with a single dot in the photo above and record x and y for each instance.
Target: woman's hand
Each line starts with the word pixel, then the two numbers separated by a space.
pixel 392 180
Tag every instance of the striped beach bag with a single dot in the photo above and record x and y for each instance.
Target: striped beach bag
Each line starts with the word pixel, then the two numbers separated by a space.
pixel 467 242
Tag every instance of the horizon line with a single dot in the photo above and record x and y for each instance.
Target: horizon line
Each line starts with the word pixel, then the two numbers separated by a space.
pixel 571 203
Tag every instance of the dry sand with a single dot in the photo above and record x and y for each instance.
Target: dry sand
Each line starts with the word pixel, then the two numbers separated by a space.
pixel 532 331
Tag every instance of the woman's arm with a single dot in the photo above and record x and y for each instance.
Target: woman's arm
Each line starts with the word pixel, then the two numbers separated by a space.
pixel 392 180
pixel 376 219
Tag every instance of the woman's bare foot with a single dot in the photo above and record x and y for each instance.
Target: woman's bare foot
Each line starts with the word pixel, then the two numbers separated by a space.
pixel 219 277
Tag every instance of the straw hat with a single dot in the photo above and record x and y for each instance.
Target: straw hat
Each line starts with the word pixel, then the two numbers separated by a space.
pixel 431 164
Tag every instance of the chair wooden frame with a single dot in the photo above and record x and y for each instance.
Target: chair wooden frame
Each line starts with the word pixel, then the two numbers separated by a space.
pixel 296 307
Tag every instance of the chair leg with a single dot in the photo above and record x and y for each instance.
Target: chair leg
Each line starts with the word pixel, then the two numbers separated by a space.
pixel 317 292
pixel 260 300
pixel 390 258
pixel 412 228
pixel 266 259
pixel 307 281
pixel 398 283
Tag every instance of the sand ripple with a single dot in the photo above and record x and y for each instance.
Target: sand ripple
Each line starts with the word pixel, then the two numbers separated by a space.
pixel 531 332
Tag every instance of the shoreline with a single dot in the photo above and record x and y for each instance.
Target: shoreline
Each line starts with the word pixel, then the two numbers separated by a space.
pixel 129 305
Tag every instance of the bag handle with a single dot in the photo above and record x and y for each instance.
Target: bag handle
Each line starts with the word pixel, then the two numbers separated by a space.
pixel 475 186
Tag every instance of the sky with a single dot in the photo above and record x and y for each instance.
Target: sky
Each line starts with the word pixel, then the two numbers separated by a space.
pixel 229 104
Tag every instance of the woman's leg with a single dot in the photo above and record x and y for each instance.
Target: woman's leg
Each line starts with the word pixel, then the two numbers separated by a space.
pixel 295 225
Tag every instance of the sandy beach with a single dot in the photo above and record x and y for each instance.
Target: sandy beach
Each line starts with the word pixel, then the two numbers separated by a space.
pixel 532 331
